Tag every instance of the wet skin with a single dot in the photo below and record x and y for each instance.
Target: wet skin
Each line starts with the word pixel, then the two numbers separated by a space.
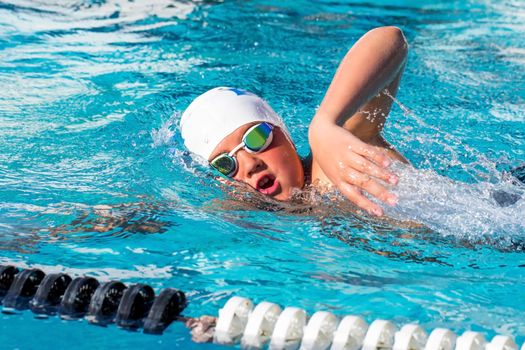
pixel 274 172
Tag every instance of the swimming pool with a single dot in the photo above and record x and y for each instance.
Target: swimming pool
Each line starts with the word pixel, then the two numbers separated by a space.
pixel 91 96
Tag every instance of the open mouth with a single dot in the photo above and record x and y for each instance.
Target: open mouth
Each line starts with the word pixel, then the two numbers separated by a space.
pixel 268 185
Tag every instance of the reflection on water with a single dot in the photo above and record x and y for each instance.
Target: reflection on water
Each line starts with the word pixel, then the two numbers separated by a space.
pixel 87 223
pixel 118 220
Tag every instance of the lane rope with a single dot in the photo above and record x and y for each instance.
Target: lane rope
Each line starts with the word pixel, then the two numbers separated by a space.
pixel 240 321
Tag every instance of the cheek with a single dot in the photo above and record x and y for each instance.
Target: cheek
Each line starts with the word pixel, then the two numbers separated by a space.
pixel 286 156
pixel 285 162
pixel 279 159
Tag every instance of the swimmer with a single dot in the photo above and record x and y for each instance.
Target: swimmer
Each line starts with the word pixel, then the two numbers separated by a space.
pixel 241 136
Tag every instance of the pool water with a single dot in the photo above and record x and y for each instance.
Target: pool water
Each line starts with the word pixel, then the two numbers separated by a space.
pixel 94 178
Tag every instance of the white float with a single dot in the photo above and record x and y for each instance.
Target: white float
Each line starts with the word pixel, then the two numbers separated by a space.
pixel 288 330
pixel 441 339
pixel 319 332
pixel 380 334
pixel 502 342
pixel 471 341
pixel 232 320
pixel 349 334
pixel 260 326
pixel 410 337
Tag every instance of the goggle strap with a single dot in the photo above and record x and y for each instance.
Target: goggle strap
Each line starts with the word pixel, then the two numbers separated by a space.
pixel 233 151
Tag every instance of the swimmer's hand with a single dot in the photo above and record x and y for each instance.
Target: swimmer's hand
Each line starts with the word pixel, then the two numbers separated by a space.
pixel 351 165
pixel 202 328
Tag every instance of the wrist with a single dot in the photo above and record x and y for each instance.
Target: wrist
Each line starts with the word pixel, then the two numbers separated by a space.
pixel 317 129
pixel 321 132
pixel 321 120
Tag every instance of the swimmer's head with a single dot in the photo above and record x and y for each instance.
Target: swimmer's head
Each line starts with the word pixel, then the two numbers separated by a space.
pixel 216 122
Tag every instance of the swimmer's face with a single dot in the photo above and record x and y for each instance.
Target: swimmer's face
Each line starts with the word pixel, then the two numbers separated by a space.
pixel 275 172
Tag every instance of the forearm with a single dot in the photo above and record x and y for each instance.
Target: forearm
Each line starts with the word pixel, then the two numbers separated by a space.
pixel 369 66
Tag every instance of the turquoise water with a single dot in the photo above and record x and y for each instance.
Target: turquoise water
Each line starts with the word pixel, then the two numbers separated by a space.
pixel 90 102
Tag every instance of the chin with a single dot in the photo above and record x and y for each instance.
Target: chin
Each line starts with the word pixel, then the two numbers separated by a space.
pixel 286 194
pixel 282 197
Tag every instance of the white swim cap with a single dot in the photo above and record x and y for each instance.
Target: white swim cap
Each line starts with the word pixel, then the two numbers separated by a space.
pixel 220 111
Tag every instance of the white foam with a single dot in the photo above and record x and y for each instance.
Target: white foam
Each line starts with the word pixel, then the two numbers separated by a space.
pixel 508 111
pixel 95 251
pixel 457 208
pixel 96 122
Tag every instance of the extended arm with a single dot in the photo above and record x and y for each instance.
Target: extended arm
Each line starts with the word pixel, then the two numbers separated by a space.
pixel 343 140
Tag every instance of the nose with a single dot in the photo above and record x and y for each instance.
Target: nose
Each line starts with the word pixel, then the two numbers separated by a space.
pixel 249 164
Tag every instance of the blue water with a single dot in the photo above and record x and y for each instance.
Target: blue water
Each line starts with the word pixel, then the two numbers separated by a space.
pixel 94 178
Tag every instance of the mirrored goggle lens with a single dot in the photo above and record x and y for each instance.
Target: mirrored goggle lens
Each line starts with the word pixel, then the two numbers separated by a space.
pixel 225 164
pixel 256 139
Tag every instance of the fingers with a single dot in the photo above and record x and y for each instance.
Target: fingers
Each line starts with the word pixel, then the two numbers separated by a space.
pixel 355 196
pixel 372 153
pixel 367 167
pixel 370 185
pixel 191 323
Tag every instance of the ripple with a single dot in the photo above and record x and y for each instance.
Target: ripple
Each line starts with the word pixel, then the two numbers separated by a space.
pixel 46 16
pixel 102 274
pixel 38 90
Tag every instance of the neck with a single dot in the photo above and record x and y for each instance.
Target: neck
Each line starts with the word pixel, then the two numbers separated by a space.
pixel 307 168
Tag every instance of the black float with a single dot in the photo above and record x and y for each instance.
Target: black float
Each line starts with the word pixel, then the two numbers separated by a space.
pixel 77 297
pixel 22 289
pixel 49 294
pixel 168 305
pixel 134 306
pixel 105 302
pixel 130 308
pixel 7 276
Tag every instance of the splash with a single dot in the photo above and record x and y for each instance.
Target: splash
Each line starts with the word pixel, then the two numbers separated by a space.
pixel 167 131
pixel 488 209
pixel 468 211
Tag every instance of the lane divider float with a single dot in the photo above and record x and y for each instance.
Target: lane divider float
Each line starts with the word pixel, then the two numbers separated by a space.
pixel 266 325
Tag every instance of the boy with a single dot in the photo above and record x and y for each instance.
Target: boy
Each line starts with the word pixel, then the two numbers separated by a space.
pixel 242 137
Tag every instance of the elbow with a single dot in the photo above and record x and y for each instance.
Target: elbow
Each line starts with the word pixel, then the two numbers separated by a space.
pixel 394 37
pixel 397 38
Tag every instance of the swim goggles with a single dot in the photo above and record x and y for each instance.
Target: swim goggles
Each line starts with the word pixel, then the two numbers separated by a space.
pixel 256 139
